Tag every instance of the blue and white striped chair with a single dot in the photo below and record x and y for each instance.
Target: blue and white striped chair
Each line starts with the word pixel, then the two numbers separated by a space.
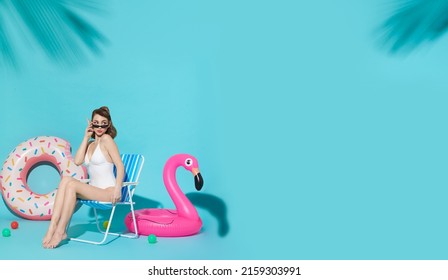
pixel 133 164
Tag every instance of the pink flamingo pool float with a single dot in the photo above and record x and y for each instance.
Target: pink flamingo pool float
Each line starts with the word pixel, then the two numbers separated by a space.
pixel 182 221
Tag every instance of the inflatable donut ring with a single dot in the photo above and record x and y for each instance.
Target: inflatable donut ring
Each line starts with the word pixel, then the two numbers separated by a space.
pixel 14 174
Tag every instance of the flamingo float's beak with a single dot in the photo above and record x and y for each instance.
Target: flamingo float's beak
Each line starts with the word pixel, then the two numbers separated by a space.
pixel 198 181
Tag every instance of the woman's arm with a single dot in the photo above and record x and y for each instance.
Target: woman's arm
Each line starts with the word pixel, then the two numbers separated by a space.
pixel 81 153
pixel 112 149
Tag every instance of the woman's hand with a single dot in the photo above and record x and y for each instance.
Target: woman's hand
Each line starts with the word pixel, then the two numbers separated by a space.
pixel 116 196
pixel 89 130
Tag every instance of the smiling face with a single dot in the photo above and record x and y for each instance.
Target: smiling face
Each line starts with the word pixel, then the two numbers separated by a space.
pixel 100 124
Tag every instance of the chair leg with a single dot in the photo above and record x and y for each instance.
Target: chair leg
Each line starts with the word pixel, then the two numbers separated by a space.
pixel 134 219
pixel 106 233
pixel 97 224
pixel 127 235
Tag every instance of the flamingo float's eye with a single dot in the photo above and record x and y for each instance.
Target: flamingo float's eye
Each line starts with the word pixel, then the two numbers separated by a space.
pixel 188 162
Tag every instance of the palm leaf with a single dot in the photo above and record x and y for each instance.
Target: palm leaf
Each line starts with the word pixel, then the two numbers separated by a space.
pixel 414 23
pixel 56 27
pixel 6 51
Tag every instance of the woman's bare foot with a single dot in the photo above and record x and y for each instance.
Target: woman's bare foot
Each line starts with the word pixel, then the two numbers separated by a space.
pixel 48 235
pixel 56 240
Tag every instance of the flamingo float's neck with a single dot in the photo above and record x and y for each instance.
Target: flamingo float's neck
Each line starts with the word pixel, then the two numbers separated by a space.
pixel 183 205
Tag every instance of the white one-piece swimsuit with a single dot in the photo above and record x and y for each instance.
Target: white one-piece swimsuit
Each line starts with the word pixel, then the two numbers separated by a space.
pixel 101 171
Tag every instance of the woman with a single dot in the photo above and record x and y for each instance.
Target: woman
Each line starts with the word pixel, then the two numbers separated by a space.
pixel 100 156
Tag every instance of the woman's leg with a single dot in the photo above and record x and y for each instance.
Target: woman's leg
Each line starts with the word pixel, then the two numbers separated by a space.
pixel 75 189
pixel 57 207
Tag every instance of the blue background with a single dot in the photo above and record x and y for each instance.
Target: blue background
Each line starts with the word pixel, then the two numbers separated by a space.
pixel 314 141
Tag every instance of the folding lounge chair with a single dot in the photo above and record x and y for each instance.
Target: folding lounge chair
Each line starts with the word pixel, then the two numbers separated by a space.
pixel 133 164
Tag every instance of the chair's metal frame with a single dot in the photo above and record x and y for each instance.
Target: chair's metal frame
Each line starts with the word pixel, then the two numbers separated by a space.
pixel 130 188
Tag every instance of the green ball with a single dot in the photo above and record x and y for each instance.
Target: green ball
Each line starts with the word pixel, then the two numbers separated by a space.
pixel 152 238
pixel 6 232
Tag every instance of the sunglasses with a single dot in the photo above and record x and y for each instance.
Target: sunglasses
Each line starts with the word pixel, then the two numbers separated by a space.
pixel 100 126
